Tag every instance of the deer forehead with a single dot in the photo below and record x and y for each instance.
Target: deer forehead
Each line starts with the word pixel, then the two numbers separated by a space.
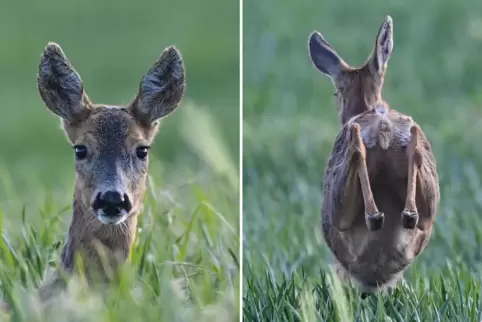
pixel 111 128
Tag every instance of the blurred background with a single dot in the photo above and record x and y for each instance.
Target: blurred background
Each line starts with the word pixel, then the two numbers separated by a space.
pixel 290 122
pixel 193 194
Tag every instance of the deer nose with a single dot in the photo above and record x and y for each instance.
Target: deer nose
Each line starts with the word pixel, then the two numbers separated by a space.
pixel 112 203
pixel 114 198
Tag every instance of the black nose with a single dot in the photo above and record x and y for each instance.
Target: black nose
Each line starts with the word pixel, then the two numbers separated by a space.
pixel 112 203
pixel 113 198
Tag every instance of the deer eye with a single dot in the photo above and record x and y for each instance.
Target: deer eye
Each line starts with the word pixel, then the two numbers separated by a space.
pixel 141 152
pixel 80 152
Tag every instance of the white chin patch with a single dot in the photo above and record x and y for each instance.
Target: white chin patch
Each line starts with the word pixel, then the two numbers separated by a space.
pixel 111 220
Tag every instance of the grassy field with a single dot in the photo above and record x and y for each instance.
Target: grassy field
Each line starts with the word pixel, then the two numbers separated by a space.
pixel 184 265
pixel 290 122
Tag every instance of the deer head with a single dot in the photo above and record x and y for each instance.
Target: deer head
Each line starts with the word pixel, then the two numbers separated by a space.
pixel 357 89
pixel 111 143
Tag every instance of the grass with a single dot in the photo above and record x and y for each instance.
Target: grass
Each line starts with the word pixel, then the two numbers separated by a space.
pixel 185 262
pixel 290 123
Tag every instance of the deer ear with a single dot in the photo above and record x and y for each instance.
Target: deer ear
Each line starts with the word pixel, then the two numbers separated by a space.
pixel 324 57
pixel 383 46
pixel 161 89
pixel 60 86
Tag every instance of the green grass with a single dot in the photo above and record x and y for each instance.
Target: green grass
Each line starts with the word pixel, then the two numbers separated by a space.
pixel 184 265
pixel 290 122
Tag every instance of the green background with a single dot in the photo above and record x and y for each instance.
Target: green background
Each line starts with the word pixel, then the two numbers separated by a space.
pixel 190 225
pixel 290 122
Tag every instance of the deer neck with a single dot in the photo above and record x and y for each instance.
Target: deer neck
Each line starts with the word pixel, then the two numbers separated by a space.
pixel 95 242
pixel 358 105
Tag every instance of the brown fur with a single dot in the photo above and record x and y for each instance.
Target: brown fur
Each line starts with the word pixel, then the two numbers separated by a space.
pixel 111 135
pixel 381 189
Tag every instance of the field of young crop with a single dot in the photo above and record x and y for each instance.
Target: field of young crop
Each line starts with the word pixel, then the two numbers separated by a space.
pixel 290 123
pixel 184 265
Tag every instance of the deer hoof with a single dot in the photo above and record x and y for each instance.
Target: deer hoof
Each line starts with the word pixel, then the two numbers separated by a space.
pixel 409 219
pixel 374 221
pixel 364 295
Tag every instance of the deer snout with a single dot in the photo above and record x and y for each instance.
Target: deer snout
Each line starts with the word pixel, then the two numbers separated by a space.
pixel 112 203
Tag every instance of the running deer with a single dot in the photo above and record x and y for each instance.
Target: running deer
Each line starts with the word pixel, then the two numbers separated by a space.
pixel 381 188
pixel 111 145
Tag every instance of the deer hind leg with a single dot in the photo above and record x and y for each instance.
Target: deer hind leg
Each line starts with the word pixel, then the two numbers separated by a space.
pixel 373 218
pixel 415 160
pixel 350 203
pixel 341 272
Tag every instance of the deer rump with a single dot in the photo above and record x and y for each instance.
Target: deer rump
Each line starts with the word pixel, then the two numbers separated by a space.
pixel 375 258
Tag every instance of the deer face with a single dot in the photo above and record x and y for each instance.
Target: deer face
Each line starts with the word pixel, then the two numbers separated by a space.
pixel 111 143
pixel 357 89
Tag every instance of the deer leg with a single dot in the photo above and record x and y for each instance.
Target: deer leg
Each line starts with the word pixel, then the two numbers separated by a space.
pixel 373 218
pixel 342 193
pixel 365 295
pixel 341 272
pixel 415 159
pixel 350 193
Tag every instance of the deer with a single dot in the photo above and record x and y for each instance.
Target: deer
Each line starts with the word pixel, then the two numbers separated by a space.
pixel 380 189
pixel 111 145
